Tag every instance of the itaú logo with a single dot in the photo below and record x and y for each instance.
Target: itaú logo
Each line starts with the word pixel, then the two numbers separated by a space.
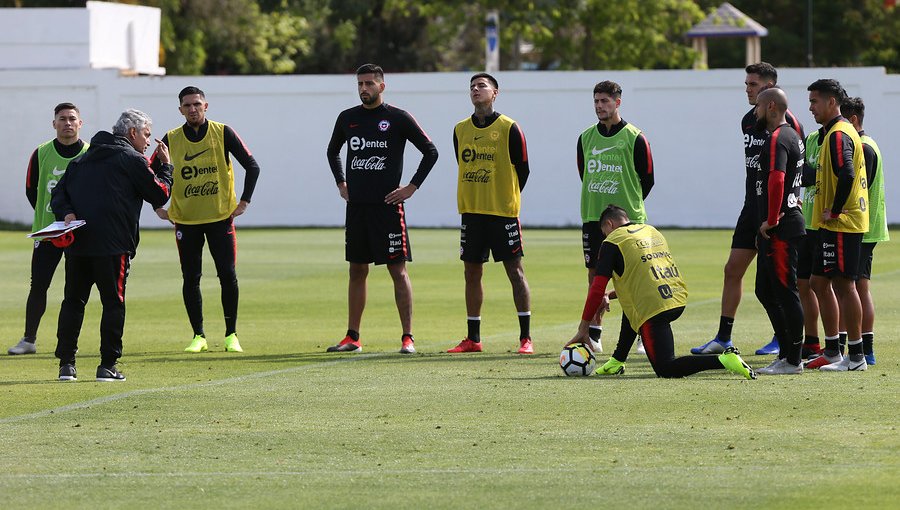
pixel 359 143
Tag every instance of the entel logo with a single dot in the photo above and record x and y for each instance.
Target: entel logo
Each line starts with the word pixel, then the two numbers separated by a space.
pixel 357 143
pixel 510 226
pixel 393 235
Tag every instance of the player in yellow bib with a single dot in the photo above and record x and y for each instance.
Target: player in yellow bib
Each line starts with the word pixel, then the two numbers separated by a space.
pixel 493 167
pixel 46 167
pixel 651 290
pixel 203 208
pixel 853 109
pixel 841 213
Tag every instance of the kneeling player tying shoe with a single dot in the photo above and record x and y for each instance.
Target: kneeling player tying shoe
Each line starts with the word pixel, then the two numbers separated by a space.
pixel 649 286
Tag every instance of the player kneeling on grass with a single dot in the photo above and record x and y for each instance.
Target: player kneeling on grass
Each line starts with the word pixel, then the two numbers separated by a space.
pixel 652 293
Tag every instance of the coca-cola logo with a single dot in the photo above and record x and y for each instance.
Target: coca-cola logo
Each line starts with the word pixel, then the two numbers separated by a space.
pixel 201 190
pixel 480 175
pixel 608 186
pixel 371 163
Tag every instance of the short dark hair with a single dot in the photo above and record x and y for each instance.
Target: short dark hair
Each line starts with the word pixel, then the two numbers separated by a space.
pixel 764 70
pixel 853 106
pixel 187 91
pixel 613 211
pixel 829 87
pixel 486 76
pixel 65 106
pixel 371 68
pixel 608 87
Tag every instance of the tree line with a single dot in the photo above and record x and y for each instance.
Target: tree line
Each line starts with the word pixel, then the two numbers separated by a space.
pixel 233 37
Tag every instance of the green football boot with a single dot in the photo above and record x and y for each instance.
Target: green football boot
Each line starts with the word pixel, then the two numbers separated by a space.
pixel 232 344
pixel 612 367
pixel 731 360
pixel 198 344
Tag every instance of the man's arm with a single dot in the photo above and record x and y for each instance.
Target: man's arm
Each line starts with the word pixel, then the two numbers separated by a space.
pixel 334 152
pixel 155 163
pixel 420 139
pixel 32 178
pixel 153 187
pixel 871 163
pixel 775 186
pixel 579 158
pixel 609 261
pixel 236 146
pixel 518 154
pixel 842 149
pixel 643 164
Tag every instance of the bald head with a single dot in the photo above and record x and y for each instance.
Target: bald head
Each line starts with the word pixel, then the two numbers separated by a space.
pixel 771 106
pixel 775 96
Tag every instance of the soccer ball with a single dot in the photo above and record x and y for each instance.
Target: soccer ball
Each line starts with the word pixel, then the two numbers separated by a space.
pixel 577 360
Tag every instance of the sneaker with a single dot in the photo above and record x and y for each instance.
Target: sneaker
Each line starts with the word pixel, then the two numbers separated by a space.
pixel 732 361
pixel 870 359
pixel 466 346
pixel 811 351
pixel 769 348
pixel 198 344
pixel 596 344
pixel 346 345
pixel 640 347
pixel 525 346
pixel 408 346
pixel 23 347
pixel 232 344
pixel 67 372
pixel 781 367
pixel 714 346
pixel 109 374
pixel 845 365
pixel 612 367
pixel 822 360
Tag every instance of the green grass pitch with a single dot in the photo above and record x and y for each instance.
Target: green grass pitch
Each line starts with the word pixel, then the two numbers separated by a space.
pixel 284 425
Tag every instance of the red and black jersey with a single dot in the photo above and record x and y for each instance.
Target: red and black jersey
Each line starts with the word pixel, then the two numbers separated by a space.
pixel 754 138
pixel 376 139
pixel 778 182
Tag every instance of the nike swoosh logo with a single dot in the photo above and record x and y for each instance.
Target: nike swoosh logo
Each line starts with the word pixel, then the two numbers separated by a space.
pixel 478 137
pixel 635 231
pixel 353 126
pixel 58 172
pixel 188 157
pixel 596 152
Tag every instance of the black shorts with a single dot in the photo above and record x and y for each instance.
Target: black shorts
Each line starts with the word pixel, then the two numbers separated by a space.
pixel 376 233
pixel 591 239
pixel 746 229
pixel 484 234
pixel 837 254
pixel 866 255
pixel 805 254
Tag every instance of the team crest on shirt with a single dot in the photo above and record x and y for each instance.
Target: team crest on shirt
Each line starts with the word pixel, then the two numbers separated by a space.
pixel 495 135
pixel 384 125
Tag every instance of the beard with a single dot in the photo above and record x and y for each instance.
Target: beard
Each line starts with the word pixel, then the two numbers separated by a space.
pixel 761 124
pixel 370 100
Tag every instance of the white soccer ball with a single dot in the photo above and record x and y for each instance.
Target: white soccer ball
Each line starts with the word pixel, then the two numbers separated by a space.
pixel 577 360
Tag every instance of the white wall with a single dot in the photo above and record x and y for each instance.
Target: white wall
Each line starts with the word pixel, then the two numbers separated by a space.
pixel 691 119
pixel 102 35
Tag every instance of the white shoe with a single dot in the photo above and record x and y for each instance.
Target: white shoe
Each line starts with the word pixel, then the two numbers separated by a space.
pixel 640 347
pixel 23 347
pixel 596 344
pixel 845 365
pixel 781 367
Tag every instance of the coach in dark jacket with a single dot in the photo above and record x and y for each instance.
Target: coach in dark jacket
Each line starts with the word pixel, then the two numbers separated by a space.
pixel 106 188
